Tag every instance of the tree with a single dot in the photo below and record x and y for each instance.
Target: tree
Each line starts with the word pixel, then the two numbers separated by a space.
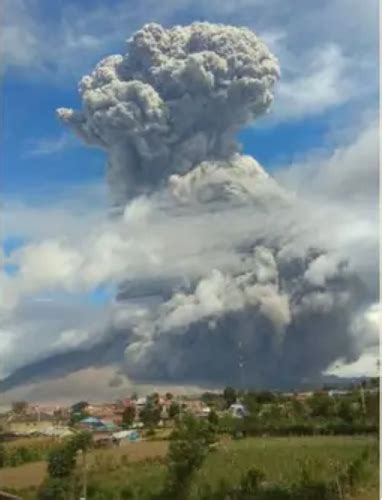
pixel 153 398
pixel 19 407
pixel 174 410
pixel 81 441
pixel 62 465
pixel 213 418
pixel 345 410
pixel 79 407
pixel 78 412
pixel 251 403
pixel 265 397
pixel 61 462
pixel 189 446
pixel 208 397
pixel 229 395
pixel 372 406
pixel 54 488
pixel 150 414
pixel 77 417
pixel 321 405
pixel 128 415
pixel 169 396
pixel 298 409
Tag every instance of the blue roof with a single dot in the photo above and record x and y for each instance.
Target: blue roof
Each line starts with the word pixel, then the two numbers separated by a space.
pixel 110 426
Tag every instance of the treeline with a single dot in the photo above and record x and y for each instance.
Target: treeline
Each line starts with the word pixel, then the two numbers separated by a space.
pixel 352 412
pixel 251 427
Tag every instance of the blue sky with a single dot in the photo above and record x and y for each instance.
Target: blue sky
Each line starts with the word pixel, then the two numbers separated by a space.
pixel 51 183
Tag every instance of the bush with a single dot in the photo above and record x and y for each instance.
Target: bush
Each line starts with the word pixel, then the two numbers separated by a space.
pixel 61 462
pixel 3 456
pixel 54 489
pixel 213 418
pixel 189 447
pixel 251 426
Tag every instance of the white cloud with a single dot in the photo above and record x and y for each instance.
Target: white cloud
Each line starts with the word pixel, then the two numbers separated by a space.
pixel 37 329
pixel 49 146
pixel 368 364
pixel 63 46
pixel 318 85
pixel 70 213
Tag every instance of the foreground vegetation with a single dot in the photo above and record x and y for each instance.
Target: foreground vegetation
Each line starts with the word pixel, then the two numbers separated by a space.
pixel 319 447
pixel 251 468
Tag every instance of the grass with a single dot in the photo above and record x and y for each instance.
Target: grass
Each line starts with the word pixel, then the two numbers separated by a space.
pixel 106 460
pixel 281 458
pixel 142 465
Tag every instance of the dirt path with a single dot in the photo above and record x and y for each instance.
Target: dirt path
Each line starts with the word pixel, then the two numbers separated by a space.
pixel 23 476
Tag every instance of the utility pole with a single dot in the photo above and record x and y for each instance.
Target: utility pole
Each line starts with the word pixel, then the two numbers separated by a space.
pixel 84 476
pixel 363 399
pixel 241 365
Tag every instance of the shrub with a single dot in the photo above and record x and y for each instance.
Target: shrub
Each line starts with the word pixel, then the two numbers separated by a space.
pixel 61 462
pixel 54 488
pixel 3 456
pixel 189 447
pixel 250 482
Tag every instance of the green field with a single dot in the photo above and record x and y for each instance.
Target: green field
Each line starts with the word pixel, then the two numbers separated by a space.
pixel 281 459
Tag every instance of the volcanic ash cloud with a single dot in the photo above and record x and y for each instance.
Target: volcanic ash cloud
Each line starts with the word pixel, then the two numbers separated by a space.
pixel 176 98
pixel 272 307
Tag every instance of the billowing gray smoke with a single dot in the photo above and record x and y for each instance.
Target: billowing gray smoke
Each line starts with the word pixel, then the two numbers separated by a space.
pixel 175 99
pixel 240 287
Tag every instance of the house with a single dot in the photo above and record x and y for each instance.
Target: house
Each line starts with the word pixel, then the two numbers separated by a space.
pixel 128 436
pixel 302 396
pixel 195 407
pixel 104 411
pixel 337 392
pixel 57 431
pixel 140 403
pixel 95 424
pixel 28 427
pixel 237 410
pixel 203 412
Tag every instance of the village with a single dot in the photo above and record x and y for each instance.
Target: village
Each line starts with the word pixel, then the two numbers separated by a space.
pixel 135 417
pixel 110 422
pixel 146 432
